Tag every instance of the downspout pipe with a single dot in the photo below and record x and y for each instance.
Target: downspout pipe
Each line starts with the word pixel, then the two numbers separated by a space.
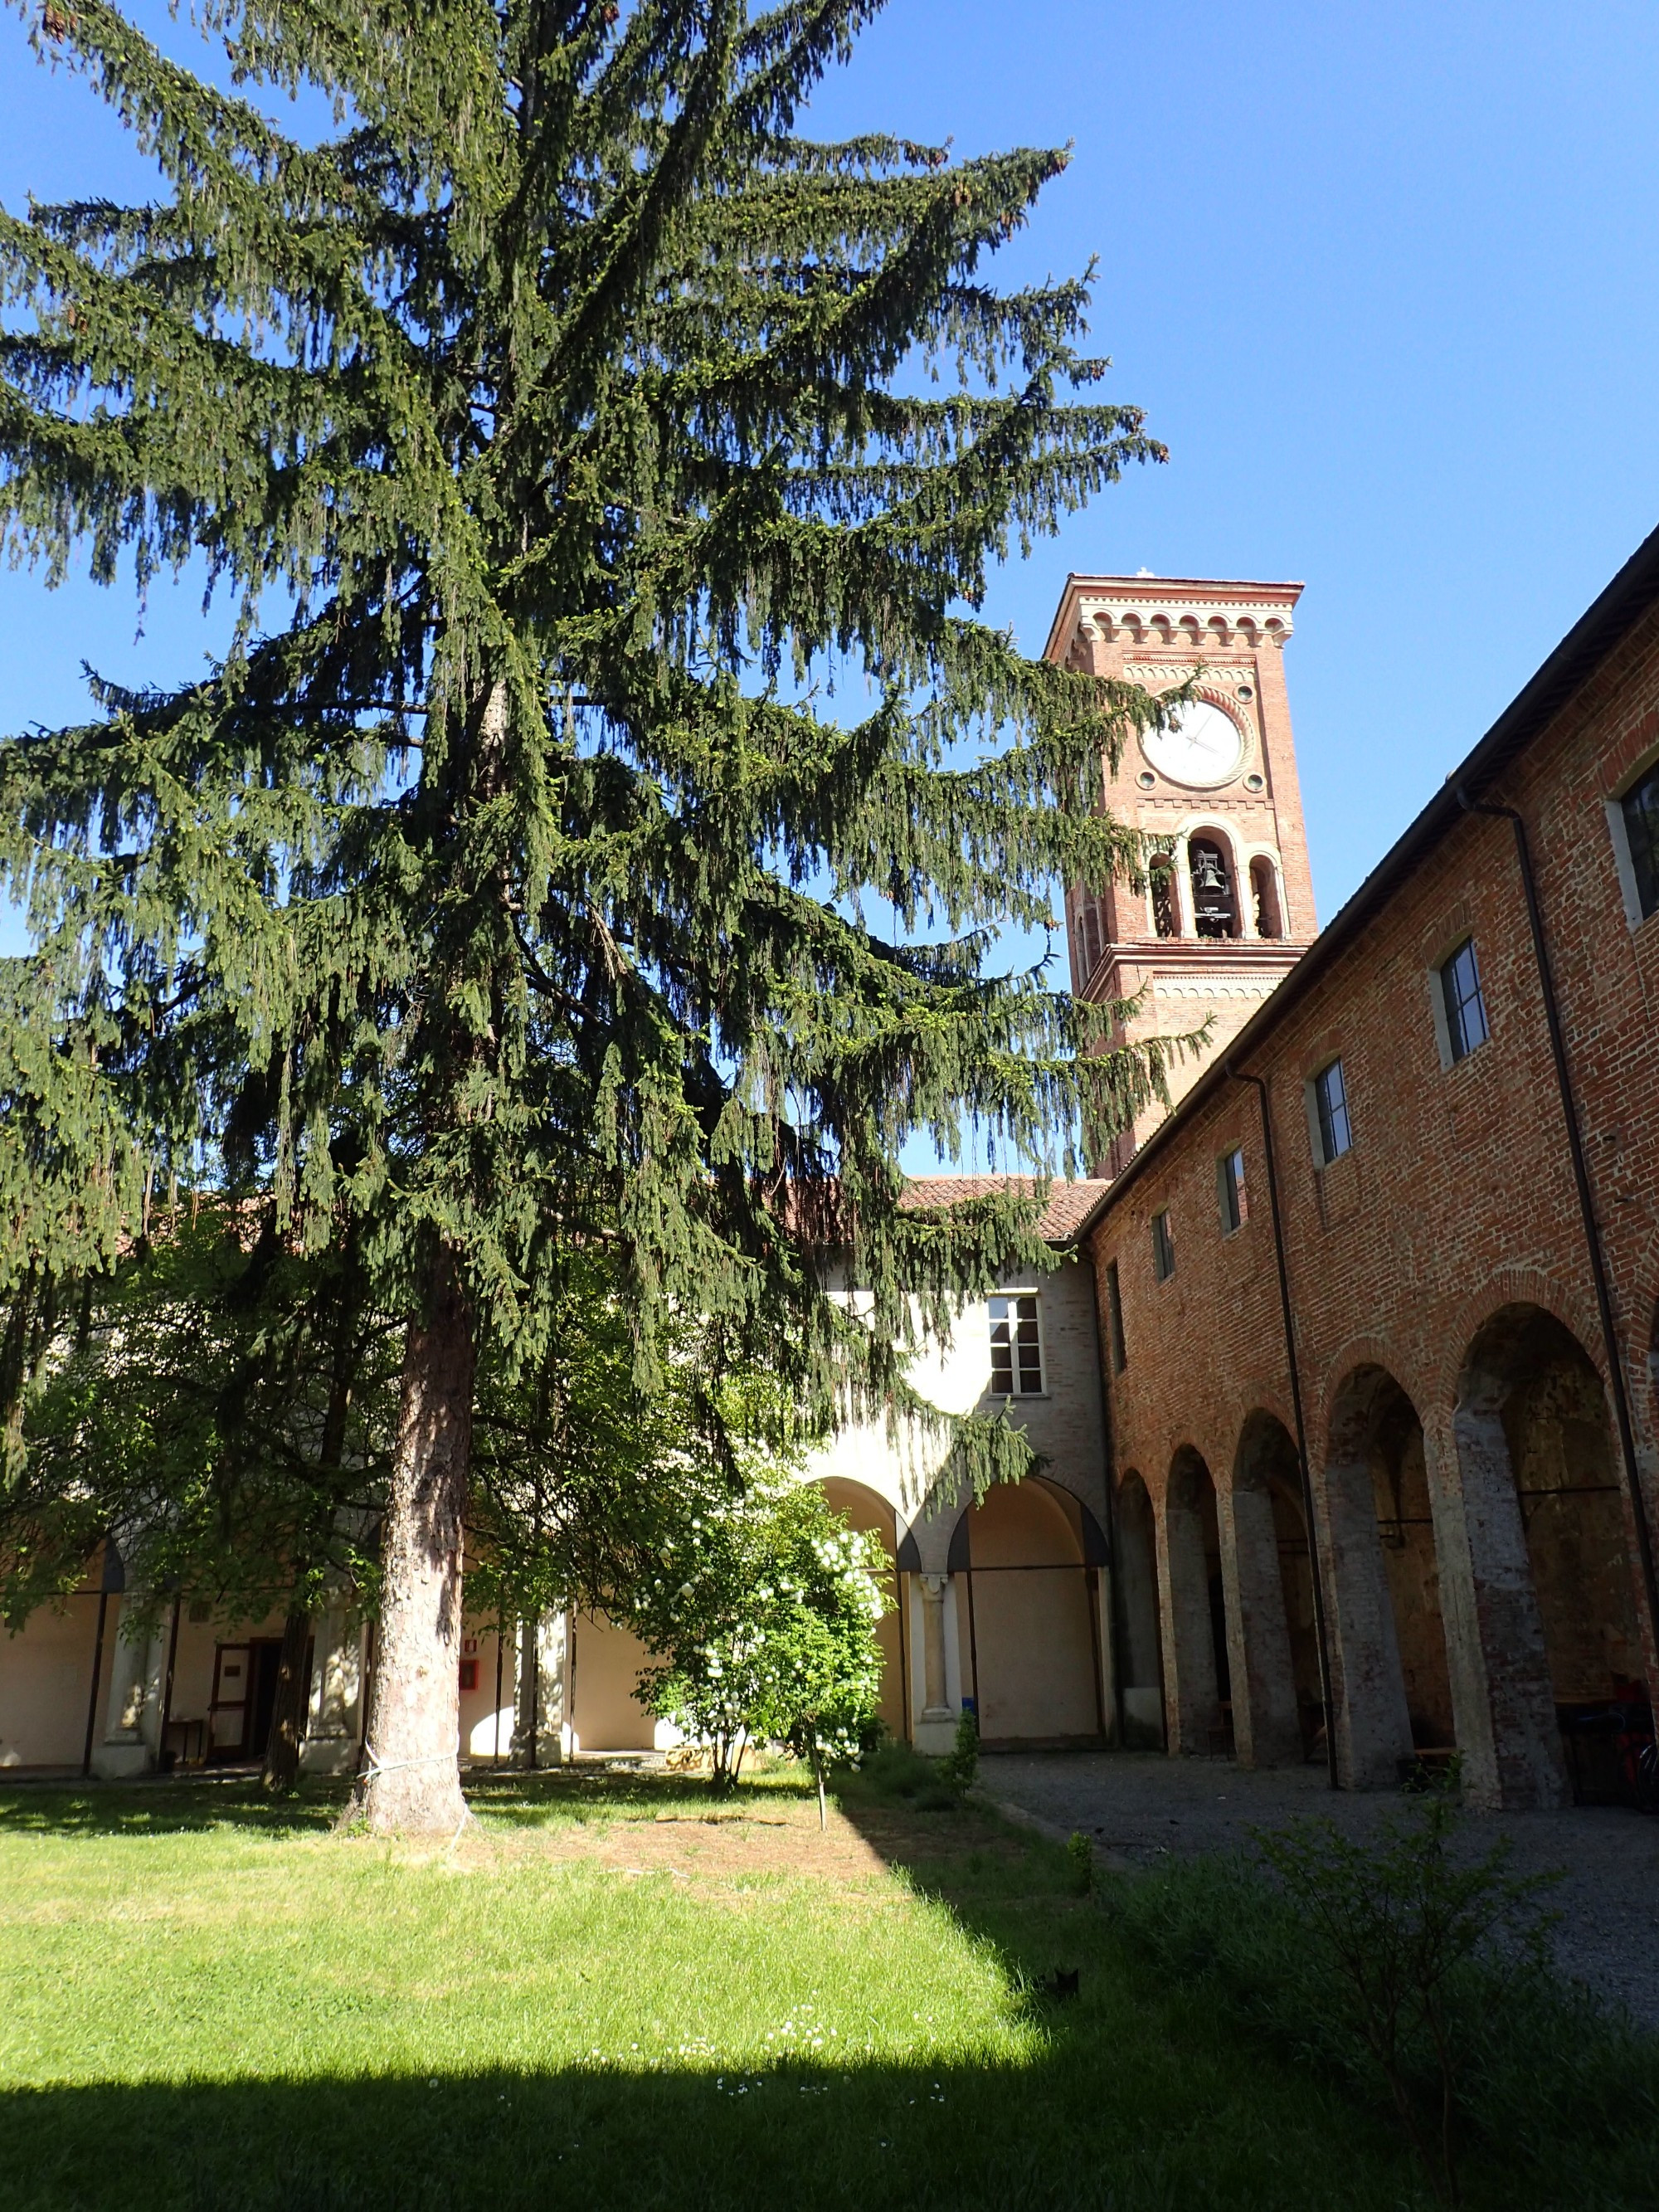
pixel 1320 1634
pixel 1113 1586
pixel 1598 1261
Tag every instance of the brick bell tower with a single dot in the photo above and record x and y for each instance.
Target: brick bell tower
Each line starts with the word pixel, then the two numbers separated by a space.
pixel 1217 797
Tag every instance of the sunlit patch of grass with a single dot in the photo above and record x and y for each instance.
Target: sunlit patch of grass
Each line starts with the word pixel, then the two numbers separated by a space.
pixel 213 2003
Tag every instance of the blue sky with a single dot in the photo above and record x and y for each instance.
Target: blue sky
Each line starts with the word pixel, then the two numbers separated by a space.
pixel 1382 274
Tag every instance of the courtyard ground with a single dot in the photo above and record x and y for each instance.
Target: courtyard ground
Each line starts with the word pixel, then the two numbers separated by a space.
pixel 1140 1808
pixel 614 1991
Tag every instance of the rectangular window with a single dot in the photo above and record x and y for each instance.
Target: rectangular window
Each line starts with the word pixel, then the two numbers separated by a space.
pixel 1115 1319
pixel 1163 1247
pixel 1640 808
pixel 1016 1347
pixel 1331 1104
pixel 1229 1188
pixel 1460 994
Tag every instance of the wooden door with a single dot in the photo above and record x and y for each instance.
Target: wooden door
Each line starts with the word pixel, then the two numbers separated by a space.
pixel 227 1713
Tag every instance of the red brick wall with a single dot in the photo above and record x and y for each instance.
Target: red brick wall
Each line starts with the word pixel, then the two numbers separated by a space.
pixel 1457 1198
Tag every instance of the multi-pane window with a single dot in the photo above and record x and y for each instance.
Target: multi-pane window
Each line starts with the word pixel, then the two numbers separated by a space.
pixel 1115 1319
pixel 1015 1345
pixel 1640 806
pixel 1163 1247
pixel 1331 1104
pixel 1460 994
pixel 1230 1187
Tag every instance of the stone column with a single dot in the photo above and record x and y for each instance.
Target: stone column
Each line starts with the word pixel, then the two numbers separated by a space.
pixel 936 1697
pixel 334 1716
pixel 541 1719
pixel 1373 1728
pixel 1181 886
pixel 134 1697
pixel 1192 1695
pixel 1502 1701
pixel 1266 1731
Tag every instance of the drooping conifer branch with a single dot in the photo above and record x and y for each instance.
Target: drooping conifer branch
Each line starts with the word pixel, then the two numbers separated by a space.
pixel 564 400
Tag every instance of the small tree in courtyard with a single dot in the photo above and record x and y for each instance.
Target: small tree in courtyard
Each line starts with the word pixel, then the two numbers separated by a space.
pixel 764 1612
pixel 599 825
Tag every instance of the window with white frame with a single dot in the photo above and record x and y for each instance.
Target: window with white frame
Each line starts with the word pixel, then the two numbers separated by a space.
pixel 1115 1319
pixel 1163 1246
pixel 1015 1345
pixel 1639 818
pixel 1333 1133
pixel 1230 1190
pixel 1461 1003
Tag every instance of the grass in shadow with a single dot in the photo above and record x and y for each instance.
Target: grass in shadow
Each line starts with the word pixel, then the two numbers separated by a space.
pixel 617 1992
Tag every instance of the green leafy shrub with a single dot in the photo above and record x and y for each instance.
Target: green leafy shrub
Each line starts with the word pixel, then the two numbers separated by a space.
pixel 765 1614
pixel 1080 1858
pixel 958 1768
pixel 1493 2053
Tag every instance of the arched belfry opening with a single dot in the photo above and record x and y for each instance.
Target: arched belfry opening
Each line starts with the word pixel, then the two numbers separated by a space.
pixel 1139 1628
pixel 1160 870
pixel 1215 904
pixel 1198 1610
pixel 1534 1437
pixel 1393 1686
pixel 1264 905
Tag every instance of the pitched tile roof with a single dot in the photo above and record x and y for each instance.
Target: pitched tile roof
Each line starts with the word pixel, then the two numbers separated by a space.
pixel 1069 1208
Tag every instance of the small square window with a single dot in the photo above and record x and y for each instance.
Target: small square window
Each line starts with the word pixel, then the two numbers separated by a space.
pixel 1230 1190
pixel 469 1673
pixel 1639 809
pixel 1016 1347
pixel 1331 1105
pixel 1163 1247
pixel 1460 994
pixel 1115 1319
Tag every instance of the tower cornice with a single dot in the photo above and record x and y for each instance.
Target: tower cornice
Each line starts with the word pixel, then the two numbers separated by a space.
pixel 1178 610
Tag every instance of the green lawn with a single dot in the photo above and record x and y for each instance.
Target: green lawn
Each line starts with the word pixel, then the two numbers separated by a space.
pixel 603 1996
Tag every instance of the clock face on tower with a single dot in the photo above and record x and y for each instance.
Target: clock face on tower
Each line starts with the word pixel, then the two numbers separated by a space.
pixel 1202 746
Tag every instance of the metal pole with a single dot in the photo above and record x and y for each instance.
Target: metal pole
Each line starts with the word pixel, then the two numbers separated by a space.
pixel 167 1686
pixel 97 1671
pixel 1114 1582
pixel 500 1634
pixel 1325 1696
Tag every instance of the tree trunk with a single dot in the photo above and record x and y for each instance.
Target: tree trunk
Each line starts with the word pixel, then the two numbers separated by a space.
pixel 282 1767
pixel 412 1778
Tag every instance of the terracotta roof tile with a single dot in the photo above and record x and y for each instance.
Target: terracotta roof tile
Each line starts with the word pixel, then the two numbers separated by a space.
pixel 1069 1205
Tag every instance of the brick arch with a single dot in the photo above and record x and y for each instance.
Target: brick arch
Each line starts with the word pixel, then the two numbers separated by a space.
pixel 1366 1351
pixel 1511 1286
pixel 1184 1442
pixel 1256 1399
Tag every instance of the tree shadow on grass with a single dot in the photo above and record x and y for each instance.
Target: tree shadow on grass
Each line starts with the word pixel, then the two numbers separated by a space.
pixel 1125 2100
pixel 169 1808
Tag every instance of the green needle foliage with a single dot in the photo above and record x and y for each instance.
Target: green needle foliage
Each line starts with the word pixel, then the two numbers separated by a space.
pixel 561 429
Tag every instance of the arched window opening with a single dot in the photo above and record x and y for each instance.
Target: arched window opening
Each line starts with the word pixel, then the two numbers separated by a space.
pixel 1214 910
pixel 1092 943
pixel 1264 897
pixel 1162 872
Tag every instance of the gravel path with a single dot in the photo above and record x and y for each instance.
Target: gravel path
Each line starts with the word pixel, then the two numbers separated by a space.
pixel 1139 1806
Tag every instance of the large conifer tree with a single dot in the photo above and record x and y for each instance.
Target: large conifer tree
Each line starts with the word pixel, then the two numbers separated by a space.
pixel 605 568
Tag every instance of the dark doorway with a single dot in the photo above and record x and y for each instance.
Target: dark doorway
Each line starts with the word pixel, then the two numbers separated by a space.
pixel 244 1699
